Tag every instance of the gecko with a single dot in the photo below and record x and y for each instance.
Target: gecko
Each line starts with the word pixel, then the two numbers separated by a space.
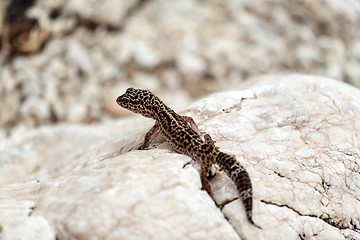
pixel 183 135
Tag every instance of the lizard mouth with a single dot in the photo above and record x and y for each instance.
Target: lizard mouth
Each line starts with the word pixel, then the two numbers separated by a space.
pixel 122 100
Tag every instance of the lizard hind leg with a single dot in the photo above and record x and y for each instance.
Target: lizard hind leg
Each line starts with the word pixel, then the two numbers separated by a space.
pixel 209 141
pixel 212 171
pixel 204 180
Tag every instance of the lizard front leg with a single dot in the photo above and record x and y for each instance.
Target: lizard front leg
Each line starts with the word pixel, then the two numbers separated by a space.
pixel 150 136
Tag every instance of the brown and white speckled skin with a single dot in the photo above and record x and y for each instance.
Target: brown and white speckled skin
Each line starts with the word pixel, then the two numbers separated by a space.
pixel 186 140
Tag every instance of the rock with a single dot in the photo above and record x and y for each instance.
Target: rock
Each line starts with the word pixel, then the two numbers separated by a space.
pixel 351 69
pixel 296 135
pixel 78 56
pixel 93 188
pixel 29 228
pixel 190 65
pixel 178 46
pixel 36 109
pixel 21 32
pixel 109 12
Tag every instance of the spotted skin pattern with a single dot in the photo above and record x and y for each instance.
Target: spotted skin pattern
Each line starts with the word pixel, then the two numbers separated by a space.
pixel 183 135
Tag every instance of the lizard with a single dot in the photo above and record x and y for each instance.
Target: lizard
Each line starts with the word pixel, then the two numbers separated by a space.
pixel 183 135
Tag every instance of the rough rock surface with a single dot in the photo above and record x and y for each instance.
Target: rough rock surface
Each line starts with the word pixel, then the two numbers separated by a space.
pixel 180 49
pixel 298 137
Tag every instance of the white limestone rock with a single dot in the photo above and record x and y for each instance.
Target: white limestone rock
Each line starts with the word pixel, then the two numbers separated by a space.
pixel 109 12
pixel 177 46
pixel 296 135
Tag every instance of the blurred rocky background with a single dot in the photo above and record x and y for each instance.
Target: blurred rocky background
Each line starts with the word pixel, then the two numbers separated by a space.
pixel 68 60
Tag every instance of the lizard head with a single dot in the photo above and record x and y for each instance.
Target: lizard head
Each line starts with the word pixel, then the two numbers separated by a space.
pixel 138 101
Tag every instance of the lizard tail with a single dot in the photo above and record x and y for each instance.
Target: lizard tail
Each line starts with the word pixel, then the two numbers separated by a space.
pixel 241 178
